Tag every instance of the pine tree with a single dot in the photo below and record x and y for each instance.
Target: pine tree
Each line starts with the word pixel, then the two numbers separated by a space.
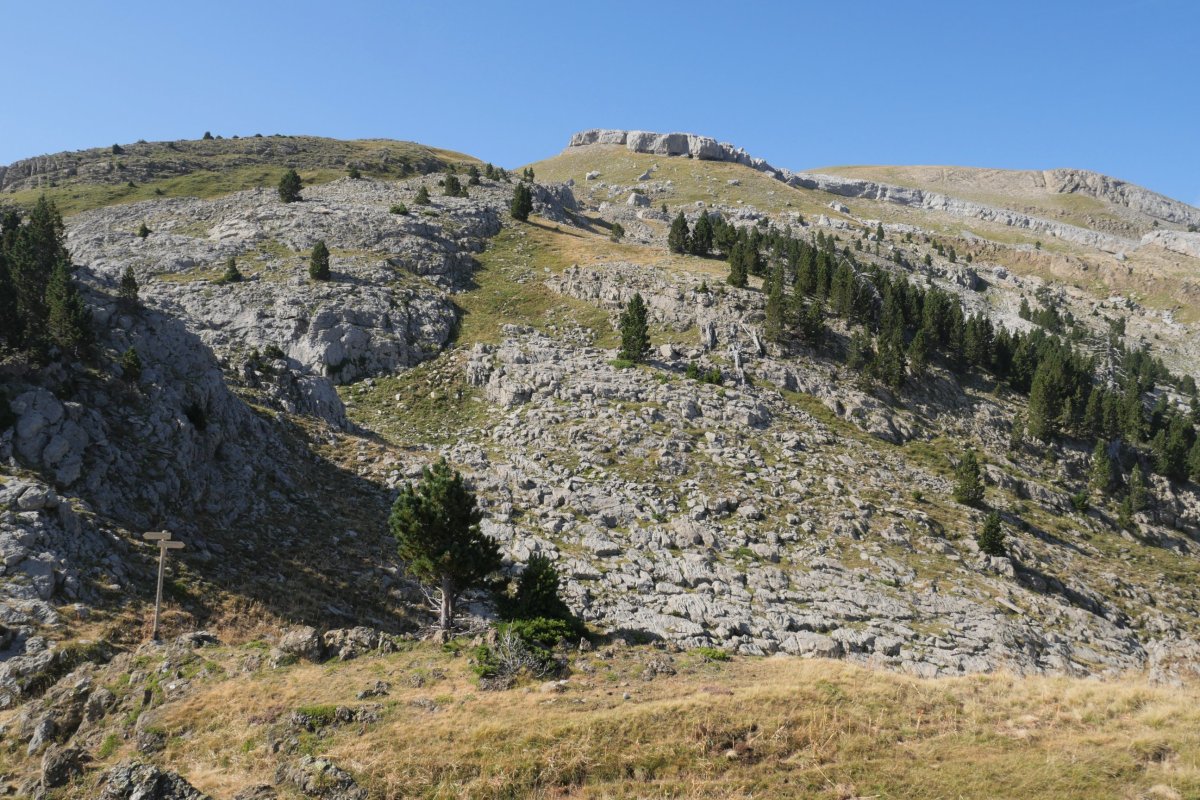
pixel 991 537
pixel 635 332
pixel 318 262
pixel 452 186
pixel 353 173
pixel 67 323
pixel 34 250
pixel 860 356
pixel 617 232
pixel 918 353
pixel 737 266
pixel 143 231
pixel 10 322
pixel 677 237
pixel 701 242
pixel 773 328
pixel 128 289
pixel 522 202
pixel 1194 462
pixel 812 324
pixel 1138 493
pixel 537 593
pixel 473 175
pixel 289 186
pixel 232 273
pixel 422 198
pixel 1101 475
pixel 131 366
pixel 436 526
pixel 968 484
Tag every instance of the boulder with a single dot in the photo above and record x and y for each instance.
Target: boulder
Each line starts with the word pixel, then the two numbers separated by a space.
pixel 131 781
pixel 319 777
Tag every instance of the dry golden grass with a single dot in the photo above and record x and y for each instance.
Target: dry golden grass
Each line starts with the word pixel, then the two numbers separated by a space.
pixel 777 727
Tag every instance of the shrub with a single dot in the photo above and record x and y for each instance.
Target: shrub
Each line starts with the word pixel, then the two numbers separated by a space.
pixel 536 599
pixel 711 654
pixel 453 187
pixel 207 136
pixel 131 366
pixel 617 232
pixel 1079 502
pixel 143 231
pixel 127 290
pixel 353 173
pixel 422 198
pixel 118 150
pixel 399 208
pixel 232 273
pixel 318 263
pixel 968 486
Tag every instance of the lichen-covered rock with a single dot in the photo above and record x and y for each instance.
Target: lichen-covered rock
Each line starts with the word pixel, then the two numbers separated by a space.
pixel 319 777
pixel 133 781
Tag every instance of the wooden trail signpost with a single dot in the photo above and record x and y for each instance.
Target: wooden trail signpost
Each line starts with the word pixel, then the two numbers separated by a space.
pixel 165 543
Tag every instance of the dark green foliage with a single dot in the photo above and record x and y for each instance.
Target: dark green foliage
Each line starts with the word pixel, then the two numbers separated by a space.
pixel 991 536
pixel 811 327
pixel 617 232
pixel 860 355
pixel 740 260
pixel 635 331
pixel 968 483
pixel 422 198
pixel 1079 501
pixel 131 366
pixel 1138 494
pixel 207 136
pixel 436 526
pixel 117 150
pixel 353 173
pixel 399 208
pixel 677 237
pixel 1194 462
pixel 128 288
pixel 1101 475
pixel 522 202
pixel 712 376
pixel 527 175
pixel 701 241
pixel 473 175
pixel 290 186
pixel 453 187
pixel 68 322
pixel 773 327
pixel 143 231
pixel 232 273
pixel 536 594
pixel 318 262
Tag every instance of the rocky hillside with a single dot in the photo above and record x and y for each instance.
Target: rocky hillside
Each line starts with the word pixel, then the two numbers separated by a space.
pixel 738 493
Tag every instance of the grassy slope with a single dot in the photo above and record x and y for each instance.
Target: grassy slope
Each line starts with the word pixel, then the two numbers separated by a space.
pixel 744 728
pixel 218 167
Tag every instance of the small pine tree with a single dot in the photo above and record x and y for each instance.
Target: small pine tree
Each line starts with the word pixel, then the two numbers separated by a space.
pixel 677 238
pixel 118 150
pixel 67 322
pixel 290 186
pixel 635 331
pixel 701 241
pixel 738 267
pixel 473 175
pixel 1138 493
pixel 353 173
pixel 131 366
pixel 617 232
pixel 128 289
pixel 536 594
pixel 991 536
pixel 1100 476
pixel 968 483
pixel 422 198
pixel 232 273
pixel 207 136
pixel 399 208
pixel 436 526
pixel 812 324
pixel 318 262
pixel 143 231
pixel 522 202
pixel 453 187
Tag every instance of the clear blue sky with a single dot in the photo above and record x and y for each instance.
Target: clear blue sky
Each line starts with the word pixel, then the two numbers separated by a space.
pixel 1109 86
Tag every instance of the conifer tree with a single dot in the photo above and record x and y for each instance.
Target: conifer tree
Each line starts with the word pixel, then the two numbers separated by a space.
pixel 522 202
pixel 422 198
pixel 773 328
pixel 128 288
pixel 452 186
pixel 635 331
pixel 435 522
pixel 737 265
pixel 701 242
pixel 318 262
pixel 143 231
pixel 617 232
pixel 968 484
pixel 67 319
pixel 918 353
pixel 537 593
pixel 232 273
pixel 1101 474
pixel 10 325
pixel 991 536
pixel 131 366
pixel 289 186
pixel 34 250
pixel 860 355
pixel 1194 462
pixel 677 237
pixel 1138 493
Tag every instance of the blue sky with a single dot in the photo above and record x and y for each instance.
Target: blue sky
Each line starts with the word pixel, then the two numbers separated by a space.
pixel 1109 86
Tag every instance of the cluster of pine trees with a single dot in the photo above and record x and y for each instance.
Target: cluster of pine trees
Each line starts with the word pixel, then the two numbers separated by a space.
pixel 899 327
pixel 41 310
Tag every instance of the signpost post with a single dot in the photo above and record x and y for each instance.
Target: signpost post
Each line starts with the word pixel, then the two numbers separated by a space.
pixel 165 543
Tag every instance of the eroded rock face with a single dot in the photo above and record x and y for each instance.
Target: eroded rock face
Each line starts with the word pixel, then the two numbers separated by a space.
pixel 130 781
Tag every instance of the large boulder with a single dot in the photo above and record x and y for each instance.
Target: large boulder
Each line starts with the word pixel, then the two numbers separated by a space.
pixel 130 781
